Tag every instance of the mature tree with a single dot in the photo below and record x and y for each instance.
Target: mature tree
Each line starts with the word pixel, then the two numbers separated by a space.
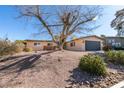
pixel 118 22
pixel 60 22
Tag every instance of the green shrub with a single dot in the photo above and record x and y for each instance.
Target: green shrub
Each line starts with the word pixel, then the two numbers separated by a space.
pixel 111 56
pixel 27 49
pixel 115 57
pixel 93 64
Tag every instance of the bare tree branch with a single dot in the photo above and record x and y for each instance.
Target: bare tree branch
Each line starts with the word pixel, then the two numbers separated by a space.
pixel 61 21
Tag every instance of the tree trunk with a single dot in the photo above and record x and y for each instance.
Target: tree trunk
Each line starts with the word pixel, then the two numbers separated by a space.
pixel 61 46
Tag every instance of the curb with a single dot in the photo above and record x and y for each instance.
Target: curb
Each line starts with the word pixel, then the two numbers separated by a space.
pixel 119 85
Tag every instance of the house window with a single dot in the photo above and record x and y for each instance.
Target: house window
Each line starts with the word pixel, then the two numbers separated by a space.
pixel 119 44
pixel 113 44
pixel 36 44
pixel 111 41
pixel 116 44
pixel 72 44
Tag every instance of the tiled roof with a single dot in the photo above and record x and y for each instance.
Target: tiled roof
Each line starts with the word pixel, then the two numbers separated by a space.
pixel 87 37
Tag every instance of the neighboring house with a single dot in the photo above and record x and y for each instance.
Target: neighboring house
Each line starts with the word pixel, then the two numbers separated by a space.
pixel 38 45
pixel 88 43
pixel 115 41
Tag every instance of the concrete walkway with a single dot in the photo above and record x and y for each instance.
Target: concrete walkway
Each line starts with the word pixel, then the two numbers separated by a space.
pixel 119 85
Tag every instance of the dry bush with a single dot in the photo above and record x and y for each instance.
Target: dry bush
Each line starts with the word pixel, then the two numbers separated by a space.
pixel 19 45
pixel 28 50
pixel 9 48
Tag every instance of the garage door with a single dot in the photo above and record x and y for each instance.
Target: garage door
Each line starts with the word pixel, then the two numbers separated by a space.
pixel 92 45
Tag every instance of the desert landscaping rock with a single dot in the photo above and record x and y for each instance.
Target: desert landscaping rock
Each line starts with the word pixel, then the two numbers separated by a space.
pixel 55 69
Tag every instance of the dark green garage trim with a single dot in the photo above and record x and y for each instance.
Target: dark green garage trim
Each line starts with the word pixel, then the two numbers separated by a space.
pixel 92 45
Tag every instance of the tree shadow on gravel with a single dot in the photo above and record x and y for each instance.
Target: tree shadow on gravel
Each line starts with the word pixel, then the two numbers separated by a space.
pixel 21 65
pixel 24 63
pixel 11 58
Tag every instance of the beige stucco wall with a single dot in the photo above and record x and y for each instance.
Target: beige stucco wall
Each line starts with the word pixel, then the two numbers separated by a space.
pixel 30 44
pixel 80 43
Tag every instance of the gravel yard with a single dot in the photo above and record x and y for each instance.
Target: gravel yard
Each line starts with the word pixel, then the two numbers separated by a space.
pixel 53 69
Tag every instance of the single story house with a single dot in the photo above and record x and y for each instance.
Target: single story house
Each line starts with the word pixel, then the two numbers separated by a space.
pixel 88 43
pixel 115 41
pixel 38 45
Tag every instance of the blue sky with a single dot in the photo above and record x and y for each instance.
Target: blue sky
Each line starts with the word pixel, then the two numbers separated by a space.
pixel 108 16
pixel 19 30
